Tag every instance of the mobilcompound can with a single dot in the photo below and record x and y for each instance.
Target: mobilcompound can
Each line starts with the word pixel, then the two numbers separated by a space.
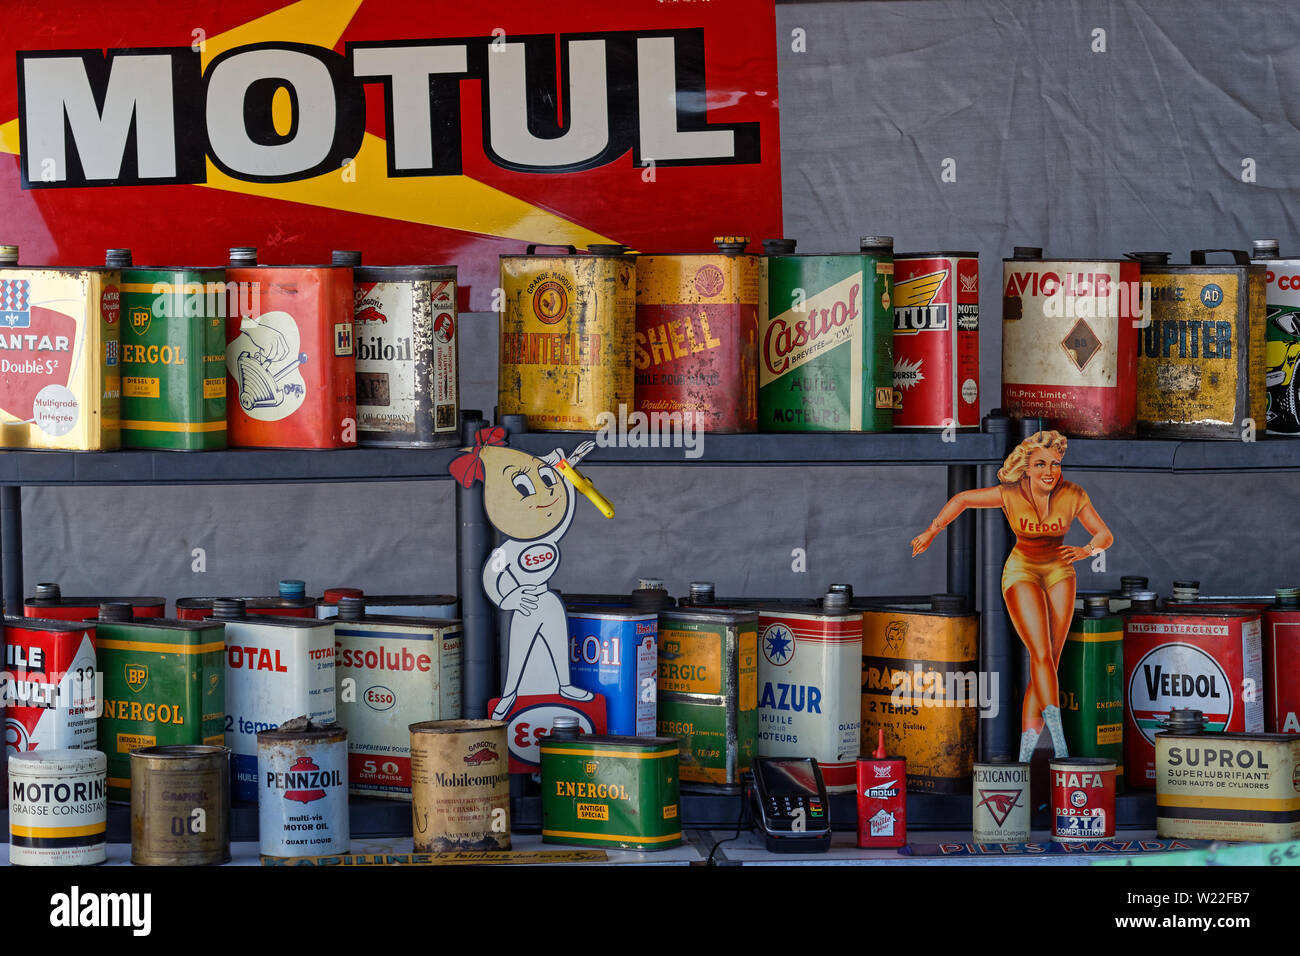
pixel 826 341
pixel 180 805
pixel 1281 337
pixel 399 605
pixel 615 653
pixel 292 601
pixel 1069 345
pixel 50 678
pixel 936 340
pixel 1000 802
pixel 302 804
pixel 50 604
pixel 882 798
pixel 58 810
pixel 1282 663
pixel 1083 798
pixel 567 334
pixel 696 337
pixel 612 791
pixel 1090 680
pixel 460 785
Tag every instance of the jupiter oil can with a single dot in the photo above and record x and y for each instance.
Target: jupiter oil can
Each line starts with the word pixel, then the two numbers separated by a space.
pixel 50 685
pixel 50 603
pixel 1282 663
pixel 1090 678
pixel 302 804
pixel 615 653
pixel 1281 336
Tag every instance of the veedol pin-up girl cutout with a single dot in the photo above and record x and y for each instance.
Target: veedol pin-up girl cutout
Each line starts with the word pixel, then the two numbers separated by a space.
pixel 1038 580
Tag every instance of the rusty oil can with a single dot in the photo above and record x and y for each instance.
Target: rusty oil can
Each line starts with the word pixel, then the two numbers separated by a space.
pixel 180 805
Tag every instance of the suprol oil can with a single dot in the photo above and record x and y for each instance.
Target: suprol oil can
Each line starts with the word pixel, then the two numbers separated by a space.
pixel 50 604
pixel 1090 679
pixel 936 340
pixel 615 653
pixel 291 601
pixel 50 685
pixel 1282 663
pixel 1281 336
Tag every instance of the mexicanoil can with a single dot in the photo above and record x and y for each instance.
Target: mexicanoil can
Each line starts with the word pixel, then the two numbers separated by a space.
pixel 399 605
pixel 302 804
pixel 936 340
pixel 405 670
pixel 615 653
pixel 1201 365
pixel 697 337
pixel 174 358
pixel 882 798
pixel 50 685
pixel 292 601
pixel 50 604
pixel 276 669
pixel 460 785
pixel 809 697
pixel 708 692
pixel 610 790
pixel 58 812
pixel 1281 337
pixel 180 805
pixel 1000 802
pixel 1090 679
pixel 567 335
pixel 920 685
pixel 1069 344
pixel 826 341
pixel 1083 798
pixel 1282 663
pixel 60 374
pixel 164 684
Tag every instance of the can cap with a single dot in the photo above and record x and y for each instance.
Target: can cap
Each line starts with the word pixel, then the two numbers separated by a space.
pixel 1129 583
pixel 346 257
pixel 880 746
pixel 1026 252
pixel 702 592
pixel 1287 597
pixel 1186 590
pixel 948 602
pixel 876 244
pixel 842 589
pixel 1143 600
pixel 650 595
pixel 61 760
pixel 564 728
pixel 835 600
pixel 115 611
pixel 1149 258
pixel 1096 605
pixel 228 609
pixel 48 592
pixel 243 255
pixel 779 247
pixel 352 608
pixel 1265 249
pixel 8 255
pixel 117 258
pixel 1184 720
pixel 292 589
pixel 301 729
pixel 608 249
pixel 731 245
pixel 334 595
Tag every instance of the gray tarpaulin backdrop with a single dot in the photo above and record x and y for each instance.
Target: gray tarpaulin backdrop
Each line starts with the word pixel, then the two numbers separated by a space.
pixel 1085 153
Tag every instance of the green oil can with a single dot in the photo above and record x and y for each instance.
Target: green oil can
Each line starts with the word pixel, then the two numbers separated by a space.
pixel 1090 680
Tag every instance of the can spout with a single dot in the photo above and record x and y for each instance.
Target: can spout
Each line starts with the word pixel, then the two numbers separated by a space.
pixel 880 747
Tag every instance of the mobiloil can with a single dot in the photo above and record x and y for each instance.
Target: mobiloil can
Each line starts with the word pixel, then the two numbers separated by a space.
pixel 180 805
pixel 1090 680
pixel 291 601
pixel 1282 663
pixel 50 604
pixel 50 685
pixel 615 653
pixel 302 805
pixel 1281 336
pixel 460 785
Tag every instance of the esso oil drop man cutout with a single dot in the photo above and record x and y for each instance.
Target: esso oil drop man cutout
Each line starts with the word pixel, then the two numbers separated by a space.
pixel 1038 579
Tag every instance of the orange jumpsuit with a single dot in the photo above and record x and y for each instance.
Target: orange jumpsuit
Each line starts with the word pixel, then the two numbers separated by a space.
pixel 1036 557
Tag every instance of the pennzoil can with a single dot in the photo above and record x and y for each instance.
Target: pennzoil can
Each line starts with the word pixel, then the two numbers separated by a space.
pixel 567 335
pixel 697 337
pixel 49 685
pixel 1090 680
pixel 1201 366
pixel 50 604
pixel 614 652
pixel 1281 336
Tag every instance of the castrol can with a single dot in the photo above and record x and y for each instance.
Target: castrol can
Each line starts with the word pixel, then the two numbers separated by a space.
pixel 1069 342
pixel 291 601
pixel 1282 663
pixel 58 809
pixel 460 785
pixel 397 605
pixel 615 653
pixel 697 337
pixel 1000 802
pixel 1083 798
pixel 936 340
pixel 402 670
pixel 809 694
pixel 51 685
pixel 882 798
pixel 180 805
pixel 567 337
pixel 1090 680
pixel 1281 336
pixel 302 804
pixel 50 604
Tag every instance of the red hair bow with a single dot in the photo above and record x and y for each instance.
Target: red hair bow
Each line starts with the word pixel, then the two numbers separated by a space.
pixel 468 468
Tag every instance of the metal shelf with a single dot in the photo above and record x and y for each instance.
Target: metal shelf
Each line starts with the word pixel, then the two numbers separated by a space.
pixel 1183 457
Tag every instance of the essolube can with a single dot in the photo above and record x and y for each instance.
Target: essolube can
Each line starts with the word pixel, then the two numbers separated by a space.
pixel 302 805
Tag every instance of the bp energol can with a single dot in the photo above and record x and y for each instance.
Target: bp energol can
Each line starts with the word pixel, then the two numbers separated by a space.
pixel 460 785
pixel 51 685
pixel 1083 798
pixel 50 604
pixel 615 653
pixel 1000 802
pixel 1282 663
pixel 1090 679
pixel 180 805
pixel 1281 336
pixel 58 808
pixel 302 802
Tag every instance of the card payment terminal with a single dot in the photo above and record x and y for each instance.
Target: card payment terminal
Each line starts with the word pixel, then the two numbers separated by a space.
pixel 793 812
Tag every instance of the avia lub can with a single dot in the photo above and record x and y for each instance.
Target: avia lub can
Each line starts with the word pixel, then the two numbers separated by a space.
pixel 276 669
pixel 826 341
pixel 292 374
pixel 1083 798
pixel 1069 343
pixel 397 605
pixel 1000 802
pixel 810 698
pixel 937 340
pixel 58 811
pixel 697 337
pixel 920 685
pixel 174 358
pixel 1281 336
pixel 882 798
pixel 1090 680
pixel 50 604
pixel 615 653
pixel 302 803
pixel 708 693
pixel 164 684
pixel 292 601
pixel 1201 365
pixel 51 677
pixel 180 805
pixel 1282 663
pixel 405 670
pixel 567 334
pixel 460 785
pixel 60 374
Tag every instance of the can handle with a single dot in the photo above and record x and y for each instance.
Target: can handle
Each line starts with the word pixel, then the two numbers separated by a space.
pixel 1240 256
pixel 534 246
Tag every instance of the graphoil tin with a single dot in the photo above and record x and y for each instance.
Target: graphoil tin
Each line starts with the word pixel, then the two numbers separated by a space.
pixel 460 785
pixel 50 685
pixel 1083 798
pixel 1090 679
pixel 810 698
pixel 1282 663
pixel 936 340
pixel 291 601
pixel 397 605
pixel 882 798
pixel 58 808
pixel 1000 802
pixel 567 337
pixel 1281 336
pixel 302 803
pixel 1069 343
pixel 615 653
pixel 180 805
pixel 50 604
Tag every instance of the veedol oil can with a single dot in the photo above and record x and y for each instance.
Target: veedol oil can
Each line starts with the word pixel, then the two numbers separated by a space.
pixel 1201 366
pixel 292 374
pixel 396 605
pixel 567 335
pixel 697 337
pixel 1282 663
pixel 920 685
pixel 1083 798
pixel 460 786
pixel 292 601
pixel 708 692
pixel 50 604
pixel 1090 679
pixel 403 670
pixel 826 341
pixel 50 677
pixel 302 805
pixel 164 685
pixel 1281 337
pixel 615 653
pixel 180 805
pixel 882 798
pixel 276 668
pixel 174 358
pixel 611 791
pixel 1069 343
pixel 810 697
pixel 60 384
pixel 58 812
pixel 1000 802
pixel 936 340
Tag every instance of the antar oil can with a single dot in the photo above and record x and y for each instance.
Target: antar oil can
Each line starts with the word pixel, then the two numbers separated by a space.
pixel 615 653
pixel 1090 679
pixel 180 805
pixel 1282 663
pixel 809 697
pixel 936 340
pixel 164 684
pixel 292 601
pixel 58 811
pixel 1000 802
pixel 697 337
pixel 460 785
pixel 1083 798
pixel 302 804
pixel 50 685
pixel 708 693
pixel 397 605
pixel 567 335
pixel 60 385
pixel 391 672
pixel 826 341
pixel 882 798
pixel 1281 336
pixel 50 604
pixel 1069 344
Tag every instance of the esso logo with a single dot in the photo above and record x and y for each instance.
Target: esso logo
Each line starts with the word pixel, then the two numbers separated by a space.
pixel 529 726
pixel 379 697
pixel 538 558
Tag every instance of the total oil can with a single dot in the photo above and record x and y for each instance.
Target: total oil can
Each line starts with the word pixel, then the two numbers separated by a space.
pixel 936 340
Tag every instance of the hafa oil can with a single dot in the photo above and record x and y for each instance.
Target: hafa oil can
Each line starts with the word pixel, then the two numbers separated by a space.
pixel 1090 679
pixel 460 785
pixel 1083 798
pixel 291 601
pixel 50 685
pixel 882 798
pixel 399 605
pixel 1282 663
pixel 302 801
pixel 1281 336
pixel 1000 802
pixel 50 604
pixel 58 812
pixel 615 653
pixel 180 805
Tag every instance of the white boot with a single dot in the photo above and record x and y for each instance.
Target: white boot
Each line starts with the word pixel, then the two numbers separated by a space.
pixel 1052 718
pixel 1028 741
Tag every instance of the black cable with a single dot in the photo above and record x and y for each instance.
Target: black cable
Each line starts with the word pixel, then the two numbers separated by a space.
pixel 740 823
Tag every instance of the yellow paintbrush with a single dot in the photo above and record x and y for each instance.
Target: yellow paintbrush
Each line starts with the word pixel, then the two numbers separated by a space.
pixel 583 484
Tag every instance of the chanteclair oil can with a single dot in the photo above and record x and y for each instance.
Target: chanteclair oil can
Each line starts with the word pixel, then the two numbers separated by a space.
pixel 826 341
pixel 1281 336
pixel 401 670
pixel 1000 802
pixel 49 603
pixel 1282 663
pixel 936 340
pixel 180 805
pixel 1090 679
pixel 1083 798
pixel 615 653
pixel 291 601
pixel 302 802
pixel 58 811
pixel 567 336
pixel 460 785
pixel 882 798
pixel 60 370
pixel 50 685
pixel 1069 343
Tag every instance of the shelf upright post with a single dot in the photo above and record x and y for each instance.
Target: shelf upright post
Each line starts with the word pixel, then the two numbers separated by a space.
pixel 11 547
pixel 961 537
pixel 478 617
pixel 997 735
